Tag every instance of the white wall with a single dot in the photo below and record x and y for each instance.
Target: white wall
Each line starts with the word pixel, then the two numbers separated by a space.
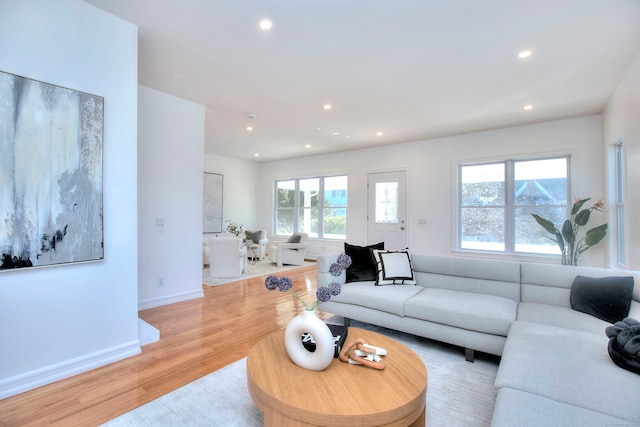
pixel 621 119
pixel 170 151
pixel 240 187
pixel 430 167
pixel 59 321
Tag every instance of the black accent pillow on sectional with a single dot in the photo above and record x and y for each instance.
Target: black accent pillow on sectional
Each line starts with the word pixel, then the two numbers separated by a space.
pixel 363 267
pixel 607 298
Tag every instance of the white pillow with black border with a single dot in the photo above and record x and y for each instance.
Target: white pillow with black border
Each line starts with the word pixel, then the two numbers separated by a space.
pixel 393 267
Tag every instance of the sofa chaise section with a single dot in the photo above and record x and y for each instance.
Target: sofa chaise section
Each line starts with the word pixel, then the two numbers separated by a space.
pixel 568 367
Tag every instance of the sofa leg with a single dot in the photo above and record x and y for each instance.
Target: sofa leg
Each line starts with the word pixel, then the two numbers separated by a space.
pixel 347 322
pixel 469 355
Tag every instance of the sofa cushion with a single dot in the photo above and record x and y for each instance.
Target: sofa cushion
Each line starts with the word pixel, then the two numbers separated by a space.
pixel 565 317
pixel 475 312
pixel 522 409
pixel 385 298
pixel 570 367
pixel 393 267
pixel 607 298
pixel 363 267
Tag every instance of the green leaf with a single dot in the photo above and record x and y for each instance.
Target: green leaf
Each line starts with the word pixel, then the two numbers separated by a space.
pixel 560 241
pixel 577 205
pixel 545 223
pixel 567 232
pixel 596 234
pixel 583 217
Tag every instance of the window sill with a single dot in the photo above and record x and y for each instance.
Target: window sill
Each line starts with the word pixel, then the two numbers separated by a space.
pixel 522 257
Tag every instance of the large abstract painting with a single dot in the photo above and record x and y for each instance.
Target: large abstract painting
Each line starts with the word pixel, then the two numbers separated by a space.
pixel 212 203
pixel 50 174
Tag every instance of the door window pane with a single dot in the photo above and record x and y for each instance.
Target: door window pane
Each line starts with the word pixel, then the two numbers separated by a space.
pixel 387 202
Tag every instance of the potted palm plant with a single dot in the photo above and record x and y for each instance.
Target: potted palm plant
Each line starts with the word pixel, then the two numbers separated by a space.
pixel 571 245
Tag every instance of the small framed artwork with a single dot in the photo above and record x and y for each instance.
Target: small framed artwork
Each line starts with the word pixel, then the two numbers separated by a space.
pixel 51 148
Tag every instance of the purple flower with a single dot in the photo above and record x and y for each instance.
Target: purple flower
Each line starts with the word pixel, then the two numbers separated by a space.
pixel 271 282
pixel 344 261
pixel 285 284
pixel 335 269
pixel 323 294
pixel 335 288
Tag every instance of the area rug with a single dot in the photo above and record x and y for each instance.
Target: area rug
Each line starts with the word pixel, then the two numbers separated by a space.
pixel 260 268
pixel 459 393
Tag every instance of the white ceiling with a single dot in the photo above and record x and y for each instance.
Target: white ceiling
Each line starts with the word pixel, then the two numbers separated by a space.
pixel 413 69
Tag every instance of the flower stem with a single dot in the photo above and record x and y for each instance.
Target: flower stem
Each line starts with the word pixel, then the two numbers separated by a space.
pixel 306 306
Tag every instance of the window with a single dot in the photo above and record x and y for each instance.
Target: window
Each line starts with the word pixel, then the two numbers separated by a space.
pixel 496 201
pixel 618 202
pixel 316 206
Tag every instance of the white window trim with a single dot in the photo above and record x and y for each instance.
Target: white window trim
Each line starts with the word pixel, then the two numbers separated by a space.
pixel 520 256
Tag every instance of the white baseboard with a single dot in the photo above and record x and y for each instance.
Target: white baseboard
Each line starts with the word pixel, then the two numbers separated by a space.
pixel 169 299
pixel 147 333
pixel 50 374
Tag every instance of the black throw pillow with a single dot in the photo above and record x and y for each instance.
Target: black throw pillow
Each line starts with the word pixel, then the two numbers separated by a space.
pixel 363 267
pixel 607 298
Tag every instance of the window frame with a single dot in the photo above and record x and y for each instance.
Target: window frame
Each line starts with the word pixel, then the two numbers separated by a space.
pixel 510 205
pixel 297 208
pixel 617 177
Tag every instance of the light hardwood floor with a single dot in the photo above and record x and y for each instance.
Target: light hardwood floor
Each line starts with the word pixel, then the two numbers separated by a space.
pixel 197 337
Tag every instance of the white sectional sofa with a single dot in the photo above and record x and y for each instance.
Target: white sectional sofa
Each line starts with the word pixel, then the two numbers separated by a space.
pixel 555 369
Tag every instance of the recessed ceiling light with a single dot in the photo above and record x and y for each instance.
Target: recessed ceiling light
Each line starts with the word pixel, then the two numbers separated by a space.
pixel 528 107
pixel 524 54
pixel 265 24
pixel 336 133
pixel 327 106
pixel 308 146
pixel 379 133
pixel 249 128
pixel 256 155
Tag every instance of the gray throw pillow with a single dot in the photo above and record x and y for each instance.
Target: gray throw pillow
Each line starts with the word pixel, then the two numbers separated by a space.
pixel 294 239
pixel 254 237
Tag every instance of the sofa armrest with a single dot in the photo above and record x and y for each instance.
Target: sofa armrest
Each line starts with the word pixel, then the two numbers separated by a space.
pixel 324 262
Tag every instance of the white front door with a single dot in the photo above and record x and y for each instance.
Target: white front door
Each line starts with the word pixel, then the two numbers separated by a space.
pixel 386 209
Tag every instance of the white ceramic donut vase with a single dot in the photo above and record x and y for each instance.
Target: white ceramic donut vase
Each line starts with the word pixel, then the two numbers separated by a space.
pixel 309 322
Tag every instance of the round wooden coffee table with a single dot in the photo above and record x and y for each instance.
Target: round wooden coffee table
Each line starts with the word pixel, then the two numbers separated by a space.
pixel 341 395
